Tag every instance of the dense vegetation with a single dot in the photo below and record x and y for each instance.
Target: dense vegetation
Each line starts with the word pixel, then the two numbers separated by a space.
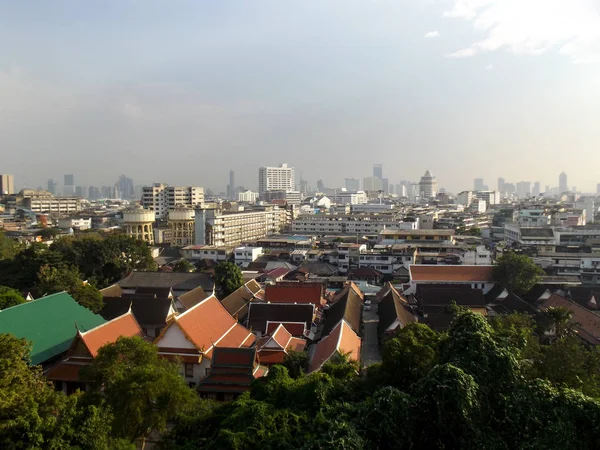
pixel 517 273
pixel 492 385
pixel 229 277
pixel 71 260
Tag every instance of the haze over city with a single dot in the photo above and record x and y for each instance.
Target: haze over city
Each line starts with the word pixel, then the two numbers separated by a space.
pixel 183 92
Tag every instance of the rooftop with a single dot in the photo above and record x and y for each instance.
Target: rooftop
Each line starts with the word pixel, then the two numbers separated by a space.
pixel 452 274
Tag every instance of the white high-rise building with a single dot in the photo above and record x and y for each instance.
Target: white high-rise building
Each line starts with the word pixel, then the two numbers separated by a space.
pixel 7 185
pixel 562 183
pixel 428 186
pixel 280 178
pixel 161 198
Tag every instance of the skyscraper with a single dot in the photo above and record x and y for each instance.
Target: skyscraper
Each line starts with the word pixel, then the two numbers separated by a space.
pixel 125 186
pixel 478 184
pixel 69 185
pixel 536 188
pixel 7 185
pixel 231 185
pixel 562 183
pixel 280 178
pixel 500 184
pixel 372 184
pixel 378 171
pixel 428 185
pixel 352 184
pixel 523 189
pixel 52 186
pixel 320 186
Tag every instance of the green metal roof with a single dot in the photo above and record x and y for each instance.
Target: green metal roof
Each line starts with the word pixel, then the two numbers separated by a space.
pixel 48 323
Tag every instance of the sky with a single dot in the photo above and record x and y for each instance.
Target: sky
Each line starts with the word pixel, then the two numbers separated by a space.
pixel 181 92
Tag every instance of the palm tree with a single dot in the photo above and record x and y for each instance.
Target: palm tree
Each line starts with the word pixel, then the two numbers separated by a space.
pixel 557 319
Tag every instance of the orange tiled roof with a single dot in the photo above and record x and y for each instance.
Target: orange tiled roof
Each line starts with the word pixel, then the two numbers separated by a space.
pixel 295 293
pixel 285 342
pixel 109 332
pixel 457 274
pixel 341 340
pixel 208 324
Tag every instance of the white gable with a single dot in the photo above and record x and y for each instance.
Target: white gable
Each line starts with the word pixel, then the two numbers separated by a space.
pixel 174 338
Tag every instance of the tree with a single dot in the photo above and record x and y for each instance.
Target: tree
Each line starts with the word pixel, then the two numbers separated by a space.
pixel 88 296
pixel 556 320
pixel 516 273
pixel 296 363
pixel 409 355
pixel 8 247
pixel 9 297
pixel 184 266
pixel 49 233
pixel 472 231
pixel 143 390
pixel 229 277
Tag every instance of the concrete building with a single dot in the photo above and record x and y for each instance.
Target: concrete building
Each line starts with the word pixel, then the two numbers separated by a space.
pixel 138 223
pixel 75 223
pixel 523 189
pixel 352 184
pixel 563 185
pixel 372 184
pixel 378 171
pixel 69 185
pixel 162 198
pixel 490 197
pixel 182 226
pixel 231 186
pixel 247 196
pixel 428 185
pixel 291 197
pixel 322 224
pixel 464 198
pixel 44 201
pixel 7 185
pixel 245 255
pixel 276 178
pixel 351 198
pixel 478 184
pixel 211 252
pixel 230 230
pixel 533 218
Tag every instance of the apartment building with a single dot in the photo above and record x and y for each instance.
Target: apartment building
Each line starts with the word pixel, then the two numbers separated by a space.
pixel 162 198
pixel 280 178
pixel 321 224
pixel 230 230
pixel 44 201
pixel 351 198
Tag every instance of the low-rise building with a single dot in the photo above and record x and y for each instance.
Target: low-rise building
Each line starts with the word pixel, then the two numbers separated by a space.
pixel 75 223
pixel 211 252
pixel 245 255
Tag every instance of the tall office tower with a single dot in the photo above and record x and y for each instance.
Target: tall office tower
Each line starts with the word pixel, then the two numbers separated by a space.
pixel 52 186
pixel 372 184
pixel 536 189
pixel 7 185
pixel 598 188
pixel 401 190
pixel 385 185
pixel 93 193
pixel 79 191
pixel 231 186
pixel 125 186
pixel 562 183
pixel 303 186
pixel 69 185
pixel 378 171
pixel 320 186
pixel 392 189
pixel 428 187
pixel 523 189
pixel 478 184
pixel 280 178
pixel 500 184
pixel 352 184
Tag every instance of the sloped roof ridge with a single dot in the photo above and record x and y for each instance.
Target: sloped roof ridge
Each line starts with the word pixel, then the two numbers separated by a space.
pixel 35 300
pixel 108 322
pixel 179 316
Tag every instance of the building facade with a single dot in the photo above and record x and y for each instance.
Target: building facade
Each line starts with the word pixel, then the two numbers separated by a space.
pixel 138 223
pixel 276 178
pixel 428 185
pixel 7 185
pixel 182 226
pixel 161 198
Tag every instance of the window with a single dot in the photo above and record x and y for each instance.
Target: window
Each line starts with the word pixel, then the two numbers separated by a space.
pixel 189 370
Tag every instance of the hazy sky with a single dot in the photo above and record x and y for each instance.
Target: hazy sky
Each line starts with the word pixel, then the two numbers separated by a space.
pixel 183 91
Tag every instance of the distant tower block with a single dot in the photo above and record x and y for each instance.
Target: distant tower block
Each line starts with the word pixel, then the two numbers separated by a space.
pixel 138 223
pixel 182 225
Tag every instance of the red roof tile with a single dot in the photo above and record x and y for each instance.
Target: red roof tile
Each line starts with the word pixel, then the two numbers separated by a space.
pixel 295 293
pixel 456 274
pixel 109 332
pixel 296 329
pixel 208 324
pixel 341 340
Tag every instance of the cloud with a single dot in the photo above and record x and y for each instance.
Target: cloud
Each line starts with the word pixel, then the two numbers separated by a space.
pixel 489 67
pixel 534 27
pixel 432 34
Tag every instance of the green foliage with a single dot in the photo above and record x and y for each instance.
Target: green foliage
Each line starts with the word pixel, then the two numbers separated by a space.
pixel 143 390
pixel 184 266
pixel 229 277
pixel 34 416
pixel 556 320
pixel 49 233
pixel 9 297
pixel 517 273
pixel 8 247
pixel 472 231
pixel 296 363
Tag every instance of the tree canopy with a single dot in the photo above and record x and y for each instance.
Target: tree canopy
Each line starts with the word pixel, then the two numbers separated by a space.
pixel 228 277
pixel 10 297
pixel 142 390
pixel 517 273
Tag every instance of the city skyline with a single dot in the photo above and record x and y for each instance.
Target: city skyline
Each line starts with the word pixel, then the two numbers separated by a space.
pixel 485 88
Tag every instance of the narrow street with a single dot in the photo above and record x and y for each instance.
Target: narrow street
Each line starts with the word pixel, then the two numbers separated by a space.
pixel 370 345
